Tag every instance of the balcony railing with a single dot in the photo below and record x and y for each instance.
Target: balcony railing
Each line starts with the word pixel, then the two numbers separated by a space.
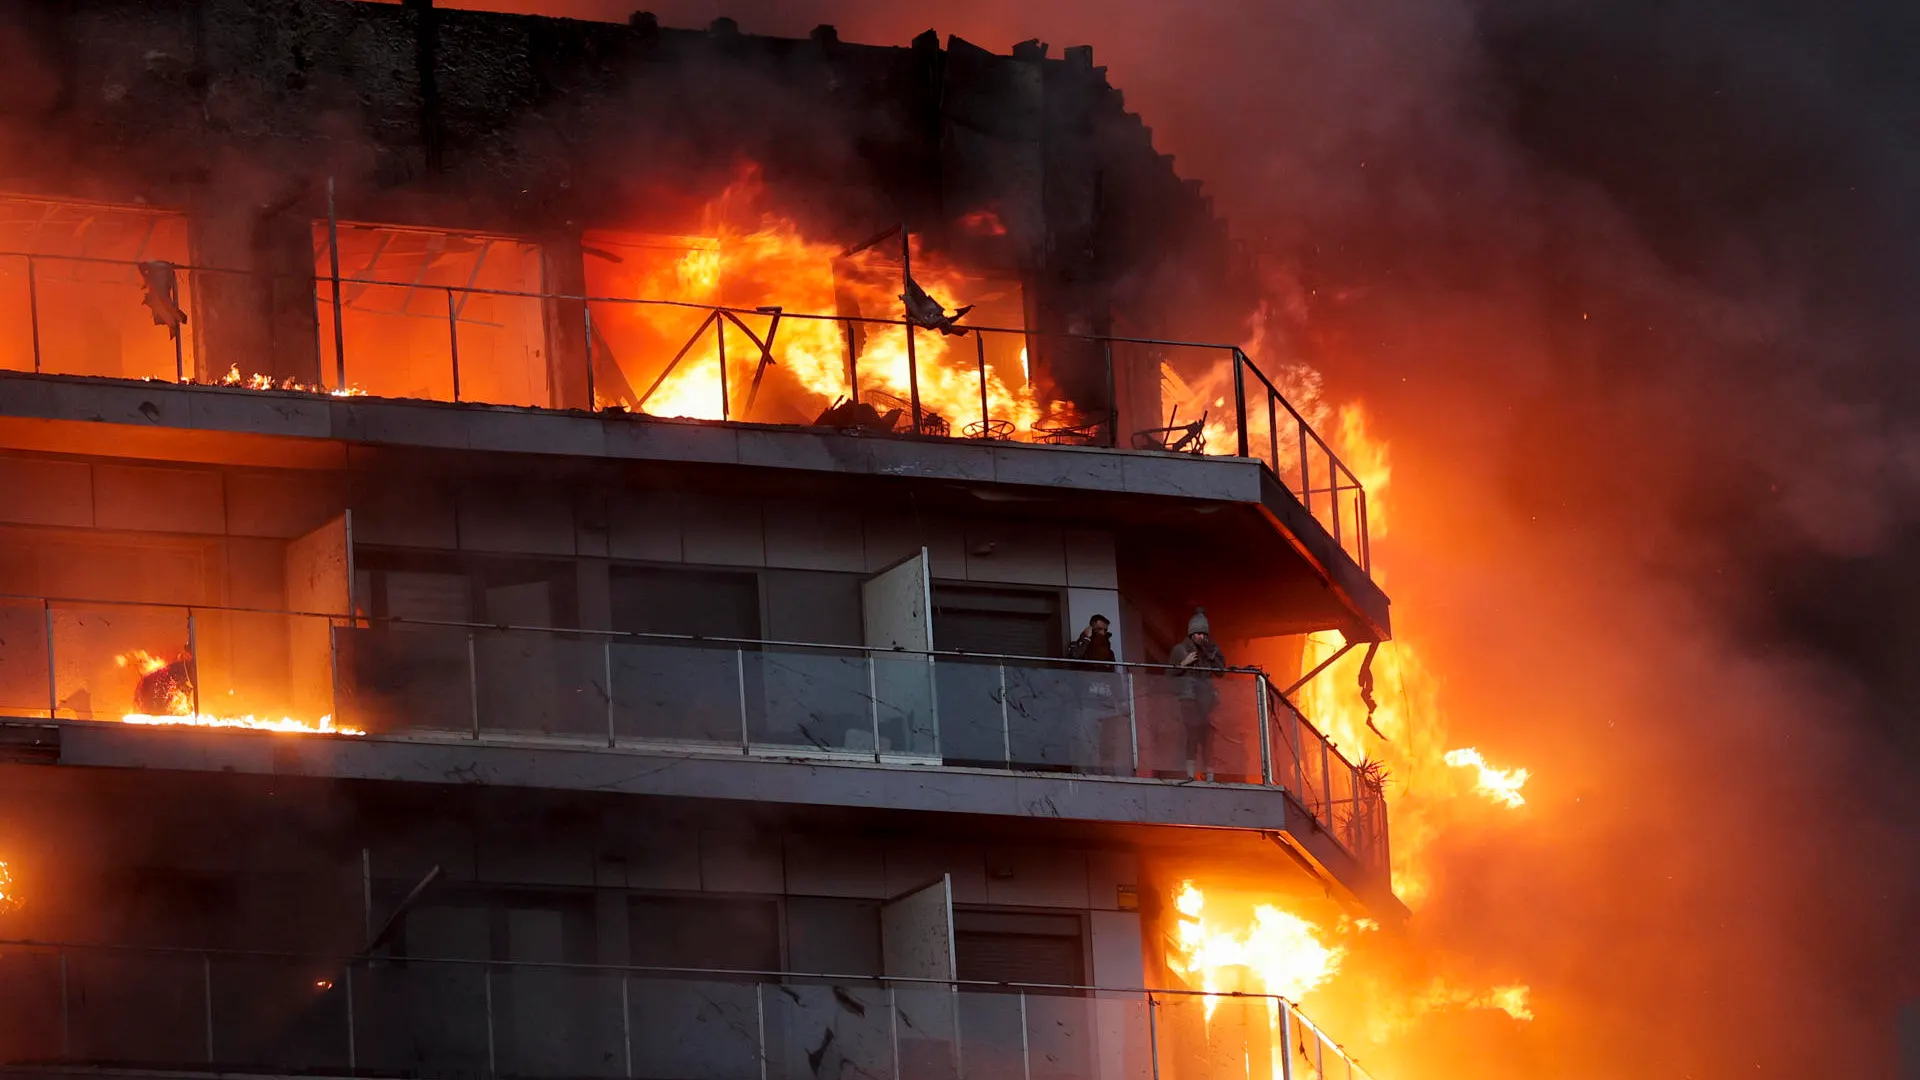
pixel 233 1012
pixel 444 346
pixel 82 660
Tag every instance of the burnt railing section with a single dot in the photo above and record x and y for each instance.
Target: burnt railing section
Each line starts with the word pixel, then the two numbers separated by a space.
pixel 84 660
pixel 1205 415
pixel 197 1012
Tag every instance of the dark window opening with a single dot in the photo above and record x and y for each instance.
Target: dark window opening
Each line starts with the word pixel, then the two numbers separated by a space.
pixel 705 932
pixel 998 946
pixel 1008 622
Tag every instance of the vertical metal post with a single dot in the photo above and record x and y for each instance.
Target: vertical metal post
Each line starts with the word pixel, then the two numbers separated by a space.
pixel 913 364
pixel 893 1024
pixel 593 397
pixel 1006 724
pixel 193 662
pixel 66 1016
pixel 740 674
pixel 1113 397
pixel 353 1049
pixel 179 358
pixel 453 341
pixel 1366 535
pixel 1273 432
pixel 473 684
pixel 1299 756
pixel 486 984
pixel 1261 690
pixel 1306 476
pixel 206 989
pixel 1326 780
pixel 1153 1034
pixel 1240 397
pixel 626 1024
pixel 1286 1040
pixel 1133 720
pixel 339 322
pixel 760 1023
pixel 333 667
pixel 853 364
pixel 366 890
pixel 1333 481
pixel 1026 1052
pixel 980 351
pixel 607 669
pixel 874 675
pixel 33 311
pixel 720 339
pixel 53 676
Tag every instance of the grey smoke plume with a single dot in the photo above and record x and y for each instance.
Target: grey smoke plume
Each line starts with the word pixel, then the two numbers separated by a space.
pixel 1629 288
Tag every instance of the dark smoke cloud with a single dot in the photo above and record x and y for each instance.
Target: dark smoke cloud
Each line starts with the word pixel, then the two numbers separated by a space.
pixel 1630 288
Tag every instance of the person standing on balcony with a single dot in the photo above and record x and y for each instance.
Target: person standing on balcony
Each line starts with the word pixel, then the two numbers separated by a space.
pixel 1104 744
pixel 1200 661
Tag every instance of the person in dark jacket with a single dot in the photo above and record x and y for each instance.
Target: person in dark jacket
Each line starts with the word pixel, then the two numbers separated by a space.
pixel 1094 643
pixel 1200 661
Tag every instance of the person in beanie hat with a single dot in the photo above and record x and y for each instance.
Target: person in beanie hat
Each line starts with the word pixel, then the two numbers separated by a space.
pixel 1200 660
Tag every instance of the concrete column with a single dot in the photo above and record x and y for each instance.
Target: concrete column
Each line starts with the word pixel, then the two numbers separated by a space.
pixel 260 318
pixel 563 272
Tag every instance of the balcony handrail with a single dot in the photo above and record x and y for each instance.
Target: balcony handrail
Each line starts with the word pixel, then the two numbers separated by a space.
pixel 1285 1006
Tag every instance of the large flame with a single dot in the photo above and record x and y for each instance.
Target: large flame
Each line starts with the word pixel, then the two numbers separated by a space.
pixel 180 710
pixel 1267 951
pixel 1501 785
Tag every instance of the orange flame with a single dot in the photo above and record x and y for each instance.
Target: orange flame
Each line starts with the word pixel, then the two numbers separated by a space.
pixel 1500 785
pixel 1271 951
pixel 9 896
pixel 180 707
pixel 258 381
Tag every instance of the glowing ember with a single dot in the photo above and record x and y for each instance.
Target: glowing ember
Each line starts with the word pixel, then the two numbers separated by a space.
pixel 1273 952
pixel 9 895
pixel 1500 785
pixel 322 726
pixel 257 381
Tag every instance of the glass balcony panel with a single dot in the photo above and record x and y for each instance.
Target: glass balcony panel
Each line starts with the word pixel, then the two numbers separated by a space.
pixel 423 1019
pixel 115 660
pixel 24 686
pixel 31 1024
pixel 815 1029
pixel 1198 725
pixel 1069 719
pixel 906 702
pixel 137 1009
pixel 541 683
pixel 673 693
pixel 971 696
pixel 263 665
pixel 395 678
pixel 692 1029
pixel 558 1022
pixel 810 700
pixel 279 1014
pixel 927 1030
pixel 993 1042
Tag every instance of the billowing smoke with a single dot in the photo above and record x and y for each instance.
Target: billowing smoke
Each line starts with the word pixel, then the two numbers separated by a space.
pixel 1627 287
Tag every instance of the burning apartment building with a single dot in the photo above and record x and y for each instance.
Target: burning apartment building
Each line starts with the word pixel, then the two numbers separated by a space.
pixel 549 549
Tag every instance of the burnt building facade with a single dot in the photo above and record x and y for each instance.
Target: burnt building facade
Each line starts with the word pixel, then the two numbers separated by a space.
pixel 549 549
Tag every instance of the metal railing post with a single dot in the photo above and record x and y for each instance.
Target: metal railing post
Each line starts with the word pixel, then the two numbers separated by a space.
pixel 980 352
pixel 1240 397
pixel 1286 1040
pixel 486 985
pixel 760 1025
pixel 193 662
pixel 606 663
pixel 913 378
pixel 453 341
pixel 53 672
pixel 206 988
pixel 473 684
pixel 740 675
pixel 1326 778
pixel 1299 757
pixel 1306 474
pixel 1006 723
pixel 1133 721
pixel 333 265
pixel 876 720
pixel 333 668
pixel 626 1023
pixel 1153 1034
pixel 66 1016
pixel 893 1024
pixel 1266 739
pixel 593 396
pixel 1333 495
pixel 33 311
pixel 1026 1051
pixel 853 364
pixel 353 1049
pixel 720 344
pixel 1273 432
pixel 1366 535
